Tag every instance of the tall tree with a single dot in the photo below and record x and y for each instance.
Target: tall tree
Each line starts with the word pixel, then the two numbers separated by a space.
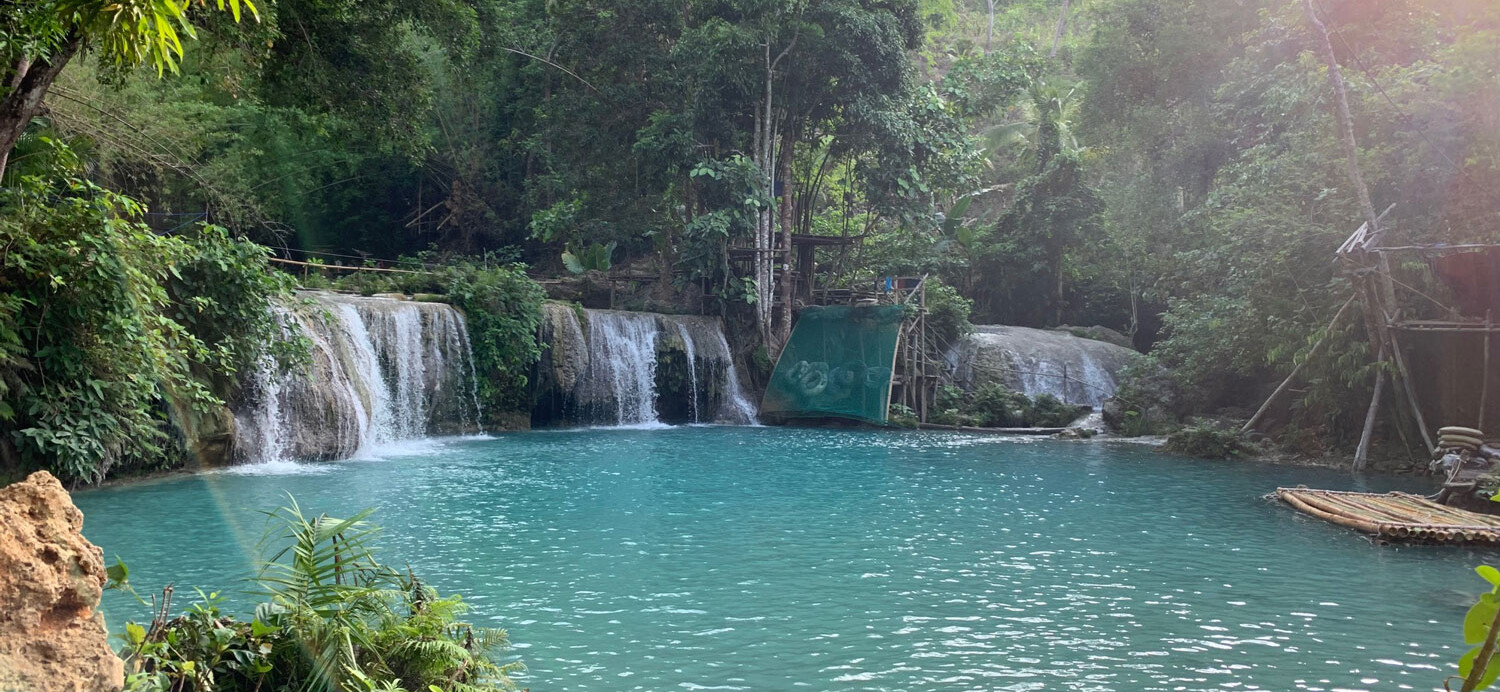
pixel 39 37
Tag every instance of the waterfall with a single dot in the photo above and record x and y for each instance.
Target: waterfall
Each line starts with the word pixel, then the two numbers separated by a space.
pixel 1076 370
pixel 378 371
pixel 604 367
pixel 736 407
pixel 621 373
pixel 692 358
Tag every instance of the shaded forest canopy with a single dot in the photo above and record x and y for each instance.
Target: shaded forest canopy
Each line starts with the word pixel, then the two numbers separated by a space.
pixel 1171 169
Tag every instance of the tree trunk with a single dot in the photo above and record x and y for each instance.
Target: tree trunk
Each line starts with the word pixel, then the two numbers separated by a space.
pixel 1362 452
pixel 989 31
pixel 1062 25
pixel 763 219
pixel 30 80
pixel 1346 121
pixel 788 222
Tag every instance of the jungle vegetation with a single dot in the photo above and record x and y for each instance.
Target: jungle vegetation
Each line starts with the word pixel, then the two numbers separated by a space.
pixel 1171 169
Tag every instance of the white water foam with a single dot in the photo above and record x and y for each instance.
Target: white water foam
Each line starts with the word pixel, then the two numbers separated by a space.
pixel 382 374
pixel 622 356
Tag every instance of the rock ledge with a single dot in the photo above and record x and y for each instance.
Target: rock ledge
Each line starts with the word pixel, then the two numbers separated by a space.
pixel 52 634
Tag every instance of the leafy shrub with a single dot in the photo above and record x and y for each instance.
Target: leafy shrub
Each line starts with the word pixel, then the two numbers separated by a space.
pixel 334 619
pixel 902 416
pixel 1480 667
pixel 503 308
pixel 102 333
pixel 1209 441
pixel 947 312
pixel 1147 402
pixel 222 293
pixel 992 405
pixel 1048 411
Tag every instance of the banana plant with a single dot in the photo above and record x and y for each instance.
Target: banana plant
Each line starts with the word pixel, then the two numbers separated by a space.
pixel 594 257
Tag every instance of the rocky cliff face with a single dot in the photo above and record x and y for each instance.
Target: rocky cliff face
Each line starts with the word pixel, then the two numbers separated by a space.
pixel 52 634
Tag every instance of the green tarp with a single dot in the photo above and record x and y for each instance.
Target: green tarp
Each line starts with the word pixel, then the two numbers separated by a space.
pixel 837 365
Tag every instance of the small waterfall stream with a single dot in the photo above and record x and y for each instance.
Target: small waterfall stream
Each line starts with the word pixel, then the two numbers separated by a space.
pixel 379 371
pixel 692 357
pixel 1037 361
pixel 622 365
pixel 606 367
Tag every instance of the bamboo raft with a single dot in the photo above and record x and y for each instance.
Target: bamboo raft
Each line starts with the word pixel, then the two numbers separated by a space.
pixel 1396 517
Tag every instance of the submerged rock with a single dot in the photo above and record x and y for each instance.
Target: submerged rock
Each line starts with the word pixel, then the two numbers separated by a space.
pixel 52 634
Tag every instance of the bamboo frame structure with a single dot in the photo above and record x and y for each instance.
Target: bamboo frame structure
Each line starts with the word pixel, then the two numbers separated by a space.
pixel 1369 266
pixel 919 374
pixel 1395 517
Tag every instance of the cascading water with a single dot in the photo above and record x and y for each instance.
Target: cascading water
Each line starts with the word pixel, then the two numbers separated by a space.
pixel 622 365
pixel 692 358
pixel 379 371
pixel 736 407
pixel 1036 361
pixel 708 352
pixel 604 367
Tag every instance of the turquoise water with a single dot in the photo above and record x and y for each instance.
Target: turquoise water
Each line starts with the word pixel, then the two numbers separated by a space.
pixel 772 559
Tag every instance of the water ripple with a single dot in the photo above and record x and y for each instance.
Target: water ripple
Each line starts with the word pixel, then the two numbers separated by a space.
pixel 714 558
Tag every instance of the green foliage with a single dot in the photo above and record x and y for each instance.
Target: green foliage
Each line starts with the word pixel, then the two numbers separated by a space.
pixel 594 257
pixel 222 294
pixel 1210 441
pixel 1048 411
pixel 947 312
pixel 333 619
pixel 992 405
pixel 101 343
pixel 125 33
pixel 1223 179
pixel 902 416
pixel 1480 667
pixel 503 308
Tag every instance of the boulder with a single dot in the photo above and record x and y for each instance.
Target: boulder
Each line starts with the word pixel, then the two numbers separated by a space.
pixel 52 634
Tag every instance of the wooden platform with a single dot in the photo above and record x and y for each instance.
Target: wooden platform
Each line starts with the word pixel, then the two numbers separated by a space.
pixel 1396 517
pixel 992 431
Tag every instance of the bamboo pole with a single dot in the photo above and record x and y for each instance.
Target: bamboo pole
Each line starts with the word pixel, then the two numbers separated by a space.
pixel 1362 452
pixel 1295 501
pixel 1410 389
pixel 1287 383
pixel 1325 500
pixel 1327 504
pixel 1370 509
pixel 1484 383
pixel 1345 120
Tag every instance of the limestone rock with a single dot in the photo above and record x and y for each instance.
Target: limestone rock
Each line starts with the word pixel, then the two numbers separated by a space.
pixel 209 434
pixel 52 634
pixel 1097 333
pixel 567 350
pixel 1039 361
